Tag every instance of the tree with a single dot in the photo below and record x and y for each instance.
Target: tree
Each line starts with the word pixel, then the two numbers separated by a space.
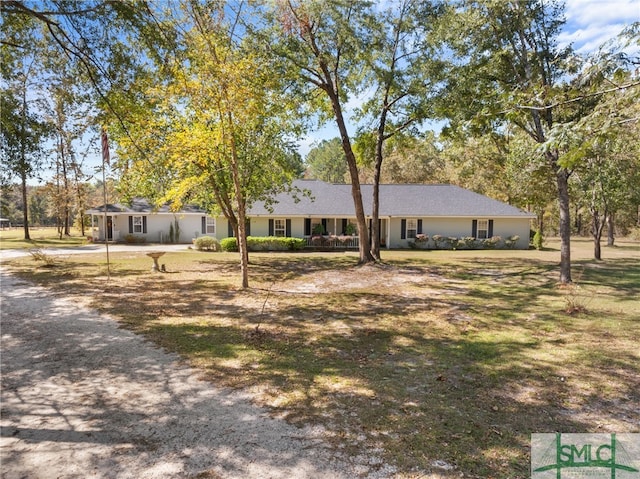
pixel 410 158
pixel 403 72
pixel 217 126
pixel 22 131
pixel 609 174
pixel 513 72
pixel 321 43
pixel 326 161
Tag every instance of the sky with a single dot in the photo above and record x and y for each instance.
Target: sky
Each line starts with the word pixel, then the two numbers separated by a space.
pixel 591 22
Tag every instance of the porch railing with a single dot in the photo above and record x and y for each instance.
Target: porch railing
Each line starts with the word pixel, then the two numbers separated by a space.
pixel 333 242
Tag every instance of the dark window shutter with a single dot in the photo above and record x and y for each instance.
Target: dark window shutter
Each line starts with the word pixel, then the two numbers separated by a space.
pixel 288 229
pixel 144 224
pixel 130 224
pixel 490 234
pixel 345 222
pixel 204 225
pixel 307 226
pixel 230 229
pixel 270 227
pixel 403 229
pixel 324 226
pixel 474 228
pixel 419 227
pixel 248 226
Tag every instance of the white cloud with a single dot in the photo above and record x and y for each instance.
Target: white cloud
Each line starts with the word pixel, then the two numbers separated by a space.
pixel 590 23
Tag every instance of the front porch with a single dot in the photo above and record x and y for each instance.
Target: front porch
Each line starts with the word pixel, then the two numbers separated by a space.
pixel 332 242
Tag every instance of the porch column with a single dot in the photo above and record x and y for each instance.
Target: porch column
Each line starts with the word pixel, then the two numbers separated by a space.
pixel 389 232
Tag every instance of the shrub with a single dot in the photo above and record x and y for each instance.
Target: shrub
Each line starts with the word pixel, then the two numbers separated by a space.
pixel 350 230
pixel 134 239
pixel 207 243
pixel 275 243
pixel 265 243
pixel 469 242
pixel 453 242
pixel 438 241
pixel 511 241
pixel 295 244
pixel 491 243
pixel 38 255
pixel 229 244
pixel 420 241
pixel 538 240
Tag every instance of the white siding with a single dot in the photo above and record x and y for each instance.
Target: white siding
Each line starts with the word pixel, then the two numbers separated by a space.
pixel 462 227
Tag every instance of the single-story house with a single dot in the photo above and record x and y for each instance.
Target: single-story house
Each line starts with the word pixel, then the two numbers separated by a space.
pixel 325 215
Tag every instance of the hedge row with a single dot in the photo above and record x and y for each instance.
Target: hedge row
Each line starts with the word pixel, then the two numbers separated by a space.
pixel 254 243
pixel 451 242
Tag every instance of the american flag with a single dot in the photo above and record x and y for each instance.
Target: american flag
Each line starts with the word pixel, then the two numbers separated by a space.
pixel 105 147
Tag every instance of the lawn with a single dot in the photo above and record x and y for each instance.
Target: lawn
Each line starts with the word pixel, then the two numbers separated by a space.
pixel 444 362
pixel 40 237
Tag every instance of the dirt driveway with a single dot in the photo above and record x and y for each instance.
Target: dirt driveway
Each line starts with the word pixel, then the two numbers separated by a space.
pixel 84 398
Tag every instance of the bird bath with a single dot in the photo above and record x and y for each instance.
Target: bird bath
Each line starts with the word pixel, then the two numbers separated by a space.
pixel 155 255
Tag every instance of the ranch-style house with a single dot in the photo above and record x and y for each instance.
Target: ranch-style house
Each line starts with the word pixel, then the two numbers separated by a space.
pixel 411 215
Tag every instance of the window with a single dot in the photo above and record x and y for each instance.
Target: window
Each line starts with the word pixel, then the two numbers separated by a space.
pixel 137 224
pixel 483 229
pixel 210 226
pixel 412 228
pixel 279 228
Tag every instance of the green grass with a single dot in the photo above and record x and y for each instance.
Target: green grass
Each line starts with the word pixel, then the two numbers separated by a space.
pixel 40 237
pixel 433 356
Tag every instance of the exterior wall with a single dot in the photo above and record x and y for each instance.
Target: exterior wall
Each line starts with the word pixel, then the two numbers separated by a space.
pixel 158 227
pixel 462 227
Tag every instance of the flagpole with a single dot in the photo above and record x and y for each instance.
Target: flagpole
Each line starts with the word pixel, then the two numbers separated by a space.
pixel 105 162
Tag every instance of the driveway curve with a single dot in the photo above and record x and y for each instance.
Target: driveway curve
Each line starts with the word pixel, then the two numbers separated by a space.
pixel 84 398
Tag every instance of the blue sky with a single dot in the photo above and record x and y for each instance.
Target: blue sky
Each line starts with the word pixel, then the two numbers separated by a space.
pixel 592 22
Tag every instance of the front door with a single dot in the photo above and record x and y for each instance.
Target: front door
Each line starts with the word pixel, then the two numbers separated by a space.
pixel 109 228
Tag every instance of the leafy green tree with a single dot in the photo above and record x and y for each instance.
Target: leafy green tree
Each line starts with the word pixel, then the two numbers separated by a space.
pixel 509 69
pixel 403 72
pixel 215 127
pixel 321 43
pixel 326 161
pixel 408 158
pixel 22 131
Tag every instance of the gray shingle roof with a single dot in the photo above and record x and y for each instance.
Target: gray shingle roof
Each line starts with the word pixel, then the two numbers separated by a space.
pixel 143 206
pixel 407 200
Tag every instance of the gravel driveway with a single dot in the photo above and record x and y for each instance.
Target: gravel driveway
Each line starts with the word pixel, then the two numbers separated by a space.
pixel 83 398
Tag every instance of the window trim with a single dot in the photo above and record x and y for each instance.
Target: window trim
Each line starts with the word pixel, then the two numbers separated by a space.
pixel 276 227
pixel 484 229
pixel 412 228
pixel 138 224
pixel 210 223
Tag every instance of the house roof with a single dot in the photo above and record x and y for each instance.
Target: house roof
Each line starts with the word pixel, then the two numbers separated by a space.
pixel 320 199
pixel 396 200
pixel 143 206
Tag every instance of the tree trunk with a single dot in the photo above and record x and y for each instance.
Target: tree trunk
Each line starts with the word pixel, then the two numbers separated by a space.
pixel 243 248
pixel 375 209
pixel 597 225
pixel 241 227
pixel 356 193
pixel 610 230
pixel 562 180
pixel 25 207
